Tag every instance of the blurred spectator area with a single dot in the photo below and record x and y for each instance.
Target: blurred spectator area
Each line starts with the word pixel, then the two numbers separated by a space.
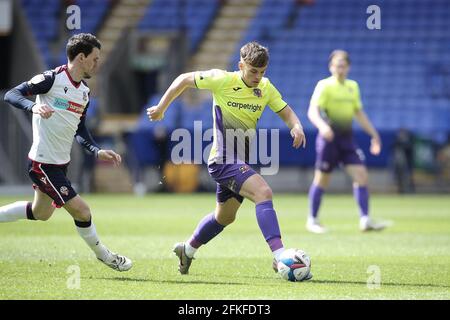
pixel 403 69
pixel 191 16
pixel 51 33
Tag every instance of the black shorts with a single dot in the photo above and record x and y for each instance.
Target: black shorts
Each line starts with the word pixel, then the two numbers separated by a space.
pixel 51 179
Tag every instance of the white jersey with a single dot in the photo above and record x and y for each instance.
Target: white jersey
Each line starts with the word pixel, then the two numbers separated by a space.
pixel 53 137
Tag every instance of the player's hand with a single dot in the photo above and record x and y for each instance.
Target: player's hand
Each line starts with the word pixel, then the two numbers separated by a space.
pixel 375 146
pixel 109 155
pixel 327 133
pixel 43 110
pixel 155 114
pixel 299 137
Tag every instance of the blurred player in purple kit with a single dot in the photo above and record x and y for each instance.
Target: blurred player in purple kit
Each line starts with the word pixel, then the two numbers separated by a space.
pixel 334 104
pixel 59 115
pixel 239 100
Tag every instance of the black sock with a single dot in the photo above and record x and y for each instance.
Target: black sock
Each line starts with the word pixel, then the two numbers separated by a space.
pixel 83 224
pixel 30 212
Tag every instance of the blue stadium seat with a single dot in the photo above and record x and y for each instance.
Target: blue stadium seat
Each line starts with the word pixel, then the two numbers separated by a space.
pixel 393 77
pixel 46 30
pixel 195 15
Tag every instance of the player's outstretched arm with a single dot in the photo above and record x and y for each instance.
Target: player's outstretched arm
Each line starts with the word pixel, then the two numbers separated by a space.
pixel 181 83
pixel 39 84
pixel 364 122
pixel 292 121
pixel 324 129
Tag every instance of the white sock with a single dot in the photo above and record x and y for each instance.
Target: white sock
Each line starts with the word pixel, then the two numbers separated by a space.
pixel 190 250
pixel 277 253
pixel 312 220
pixel 364 219
pixel 89 235
pixel 14 211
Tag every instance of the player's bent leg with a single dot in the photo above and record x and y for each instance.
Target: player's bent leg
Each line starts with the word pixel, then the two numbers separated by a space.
pixel 360 179
pixel 81 213
pixel 359 175
pixel 208 228
pixel 322 179
pixel 256 189
pixel 78 209
pixel 16 211
pixel 225 213
pixel 320 183
pixel 40 209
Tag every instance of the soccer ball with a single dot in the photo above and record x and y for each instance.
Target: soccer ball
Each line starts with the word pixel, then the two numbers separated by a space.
pixel 294 265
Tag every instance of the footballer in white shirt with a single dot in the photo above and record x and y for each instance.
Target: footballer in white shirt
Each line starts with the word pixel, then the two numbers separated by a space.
pixel 59 113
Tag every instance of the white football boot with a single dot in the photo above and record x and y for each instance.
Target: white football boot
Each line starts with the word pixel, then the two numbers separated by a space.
pixel 117 262
pixel 185 261
pixel 366 224
pixel 313 225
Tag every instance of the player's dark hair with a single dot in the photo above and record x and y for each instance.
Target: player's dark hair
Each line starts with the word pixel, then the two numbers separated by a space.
pixel 341 54
pixel 255 54
pixel 81 43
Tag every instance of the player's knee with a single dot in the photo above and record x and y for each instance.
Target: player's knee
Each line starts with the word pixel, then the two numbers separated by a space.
pixel 322 180
pixel 82 213
pixel 42 215
pixel 265 193
pixel 225 219
pixel 228 220
pixel 362 178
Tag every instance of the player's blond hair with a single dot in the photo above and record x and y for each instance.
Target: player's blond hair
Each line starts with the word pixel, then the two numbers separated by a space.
pixel 341 54
pixel 255 54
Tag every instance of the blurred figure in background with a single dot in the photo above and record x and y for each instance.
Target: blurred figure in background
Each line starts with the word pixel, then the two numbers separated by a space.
pixel 403 161
pixel 334 104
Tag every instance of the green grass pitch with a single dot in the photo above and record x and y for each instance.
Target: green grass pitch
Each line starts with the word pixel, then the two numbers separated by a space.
pixel 39 260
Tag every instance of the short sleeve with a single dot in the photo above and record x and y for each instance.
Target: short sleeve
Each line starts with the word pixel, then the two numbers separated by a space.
pixel 276 102
pixel 319 97
pixel 211 79
pixel 357 103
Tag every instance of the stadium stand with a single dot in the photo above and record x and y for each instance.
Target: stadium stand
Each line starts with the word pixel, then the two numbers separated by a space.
pixel 46 31
pixel 175 15
pixel 402 82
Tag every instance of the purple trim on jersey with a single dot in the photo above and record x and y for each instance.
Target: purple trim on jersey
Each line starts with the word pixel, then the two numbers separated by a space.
pixel 342 150
pixel 220 146
pixel 282 108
